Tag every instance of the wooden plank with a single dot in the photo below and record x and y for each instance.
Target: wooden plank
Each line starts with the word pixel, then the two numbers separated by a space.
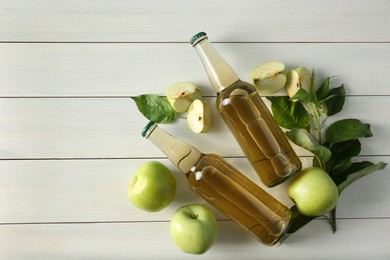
pixel 47 70
pixel 357 239
pixel 70 136
pixel 47 191
pixel 146 21
pixel 110 128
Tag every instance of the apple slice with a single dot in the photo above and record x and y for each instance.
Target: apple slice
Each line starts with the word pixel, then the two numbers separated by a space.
pixel 180 95
pixel 199 117
pixel 269 77
pixel 296 79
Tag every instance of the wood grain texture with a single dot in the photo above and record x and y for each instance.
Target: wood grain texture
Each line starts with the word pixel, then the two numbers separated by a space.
pixel 129 69
pixel 152 241
pixel 172 21
pixel 70 135
pixel 111 127
pixel 55 191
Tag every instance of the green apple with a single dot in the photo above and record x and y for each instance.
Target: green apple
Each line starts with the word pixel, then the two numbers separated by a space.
pixel 194 228
pixel 180 95
pixel 199 117
pixel 269 77
pixel 152 187
pixel 296 79
pixel 313 192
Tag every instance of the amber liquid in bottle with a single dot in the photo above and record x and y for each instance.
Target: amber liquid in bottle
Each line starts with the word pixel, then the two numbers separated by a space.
pixel 225 188
pixel 236 196
pixel 248 118
pixel 259 136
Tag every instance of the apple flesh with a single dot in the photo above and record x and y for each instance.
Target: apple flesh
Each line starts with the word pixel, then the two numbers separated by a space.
pixel 313 192
pixel 296 79
pixel 180 95
pixel 199 117
pixel 194 228
pixel 269 77
pixel 152 187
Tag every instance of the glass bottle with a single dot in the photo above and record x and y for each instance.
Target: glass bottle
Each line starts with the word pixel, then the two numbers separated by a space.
pixel 248 118
pixel 224 187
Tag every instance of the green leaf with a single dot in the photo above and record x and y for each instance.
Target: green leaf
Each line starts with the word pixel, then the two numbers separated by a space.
pixel 316 163
pixel 289 114
pixel 155 108
pixel 347 129
pixel 342 154
pixel 335 100
pixel 309 102
pixel 297 220
pixel 302 95
pixel 323 90
pixel 303 138
pixel 355 172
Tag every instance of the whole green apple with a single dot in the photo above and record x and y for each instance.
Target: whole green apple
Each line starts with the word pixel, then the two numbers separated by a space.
pixel 153 187
pixel 194 228
pixel 313 192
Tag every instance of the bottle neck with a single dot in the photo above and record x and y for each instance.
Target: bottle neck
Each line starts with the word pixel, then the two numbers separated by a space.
pixel 181 154
pixel 221 75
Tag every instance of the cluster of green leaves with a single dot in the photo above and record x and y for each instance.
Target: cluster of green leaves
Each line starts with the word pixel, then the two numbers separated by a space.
pixel 333 147
pixel 155 108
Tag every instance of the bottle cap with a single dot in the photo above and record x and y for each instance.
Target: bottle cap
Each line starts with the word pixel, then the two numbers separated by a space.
pixel 198 37
pixel 146 128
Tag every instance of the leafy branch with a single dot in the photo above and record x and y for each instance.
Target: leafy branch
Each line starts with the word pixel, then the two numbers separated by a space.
pixel 333 147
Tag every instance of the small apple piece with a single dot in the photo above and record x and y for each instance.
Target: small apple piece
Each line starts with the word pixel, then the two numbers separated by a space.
pixel 199 117
pixel 292 84
pixel 269 77
pixel 296 79
pixel 181 95
pixel 313 192
pixel 194 228
pixel 152 187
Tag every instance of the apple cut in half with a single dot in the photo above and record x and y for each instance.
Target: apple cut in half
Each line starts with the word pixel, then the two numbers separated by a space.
pixel 199 117
pixel 269 77
pixel 180 95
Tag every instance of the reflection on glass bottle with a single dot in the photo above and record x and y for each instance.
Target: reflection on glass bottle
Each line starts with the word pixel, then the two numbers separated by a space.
pixel 248 118
pixel 225 188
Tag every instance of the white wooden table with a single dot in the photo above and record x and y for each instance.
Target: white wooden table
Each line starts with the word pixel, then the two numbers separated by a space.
pixel 70 135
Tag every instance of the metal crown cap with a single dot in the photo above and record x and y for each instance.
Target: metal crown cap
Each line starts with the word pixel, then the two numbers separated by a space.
pixel 147 127
pixel 195 39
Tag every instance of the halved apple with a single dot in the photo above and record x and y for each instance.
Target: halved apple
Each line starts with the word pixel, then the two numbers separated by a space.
pixel 199 117
pixel 180 95
pixel 296 79
pixel 269 77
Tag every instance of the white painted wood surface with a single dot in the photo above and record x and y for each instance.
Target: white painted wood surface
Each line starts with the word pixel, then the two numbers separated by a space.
pixel 70 135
